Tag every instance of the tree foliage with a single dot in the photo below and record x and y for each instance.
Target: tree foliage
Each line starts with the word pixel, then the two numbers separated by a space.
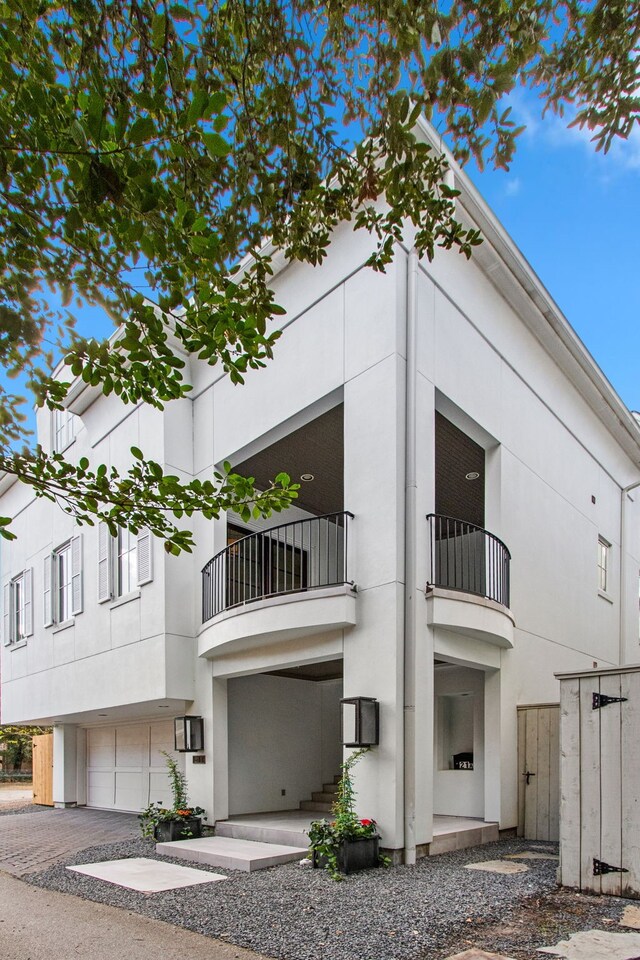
pixel 148 148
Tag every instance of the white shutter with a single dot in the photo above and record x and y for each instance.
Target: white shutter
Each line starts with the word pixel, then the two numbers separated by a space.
pixel 144 555
pixel 47 591
pixel 76 574
pixel 104 563
pixel 28 601
pixel 6 615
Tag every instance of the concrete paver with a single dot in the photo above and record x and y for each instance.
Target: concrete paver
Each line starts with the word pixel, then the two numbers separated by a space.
pixel 145 875
pixel 630 917
pixel 596 945
pixel 498 866
pixel 34 841
pixel 38 924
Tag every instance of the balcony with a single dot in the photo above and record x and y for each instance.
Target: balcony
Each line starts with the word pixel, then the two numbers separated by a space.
pixel 468 586
pixel 285 582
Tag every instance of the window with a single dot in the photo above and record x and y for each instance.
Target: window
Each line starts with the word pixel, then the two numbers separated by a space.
pixel 63 429
pixel 18 616
pixel 124 562
pixel 62 591
pixel 603 564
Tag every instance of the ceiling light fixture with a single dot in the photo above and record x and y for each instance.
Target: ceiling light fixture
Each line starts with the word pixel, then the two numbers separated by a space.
pixel 472 476
pixel 307 477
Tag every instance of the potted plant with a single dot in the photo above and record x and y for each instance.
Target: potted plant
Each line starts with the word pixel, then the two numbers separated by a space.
pixel 345 843
pixel 177 822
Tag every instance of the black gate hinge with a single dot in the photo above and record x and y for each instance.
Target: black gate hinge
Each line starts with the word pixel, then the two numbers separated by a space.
pixel 603 700
pixel 600 868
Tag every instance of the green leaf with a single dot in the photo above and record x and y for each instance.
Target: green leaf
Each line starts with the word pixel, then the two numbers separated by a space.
pixel 143 129
pixel 216 145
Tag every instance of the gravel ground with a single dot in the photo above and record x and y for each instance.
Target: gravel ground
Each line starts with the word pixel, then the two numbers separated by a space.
pixel 294 913
pixel 20 806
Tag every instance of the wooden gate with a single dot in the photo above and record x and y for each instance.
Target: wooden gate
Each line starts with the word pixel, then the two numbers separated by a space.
pixel 539 772
pixel 43 769
pixel 600 781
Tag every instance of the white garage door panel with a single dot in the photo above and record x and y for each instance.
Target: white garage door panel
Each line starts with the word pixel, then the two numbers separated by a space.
pixel 130 791
pixel 159 789
pixel 125 766
pixel 132 746
pixel 100 788
pixel 101 748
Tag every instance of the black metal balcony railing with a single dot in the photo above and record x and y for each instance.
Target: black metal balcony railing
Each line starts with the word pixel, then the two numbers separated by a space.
pixel 468 558
pixel 301 555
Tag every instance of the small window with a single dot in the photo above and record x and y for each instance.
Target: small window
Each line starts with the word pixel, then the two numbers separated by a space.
pixel 604 548
pixel 63 582
pixel 126 562
pixel 18 616
pixel 63 429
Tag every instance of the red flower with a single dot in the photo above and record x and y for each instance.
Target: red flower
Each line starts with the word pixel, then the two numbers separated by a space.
pixel 366 823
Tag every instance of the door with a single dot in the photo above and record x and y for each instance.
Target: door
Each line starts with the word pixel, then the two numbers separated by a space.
pixel 43 769
pixel 539 772
pixel 125 765
pixel 600 847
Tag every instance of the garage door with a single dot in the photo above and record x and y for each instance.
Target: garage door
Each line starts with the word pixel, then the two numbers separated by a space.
pixel 125 768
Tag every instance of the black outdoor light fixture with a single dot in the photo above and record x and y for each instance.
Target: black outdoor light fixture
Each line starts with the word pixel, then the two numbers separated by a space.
pixel 189 734
pixel 360 722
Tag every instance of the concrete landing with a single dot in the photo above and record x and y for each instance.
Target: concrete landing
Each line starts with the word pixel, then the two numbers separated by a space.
pixel 229 852
pixel 288 827
pixel 458 833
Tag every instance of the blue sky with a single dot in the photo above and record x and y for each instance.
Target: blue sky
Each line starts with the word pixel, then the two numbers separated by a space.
pixel 572 213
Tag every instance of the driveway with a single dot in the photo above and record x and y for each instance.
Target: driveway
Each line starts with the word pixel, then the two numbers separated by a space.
pixel 44 925
pixel 31 842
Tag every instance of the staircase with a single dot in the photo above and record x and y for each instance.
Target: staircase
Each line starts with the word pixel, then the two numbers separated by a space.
pixel 323 800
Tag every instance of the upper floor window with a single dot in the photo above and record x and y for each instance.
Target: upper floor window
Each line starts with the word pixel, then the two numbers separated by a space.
pixel 604 549
pixel 18 616
pixel 124 562
pixel 63 429
pixel 63 582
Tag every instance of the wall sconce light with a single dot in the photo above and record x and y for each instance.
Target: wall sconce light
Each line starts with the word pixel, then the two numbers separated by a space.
pixel 189 734
pixel 360 722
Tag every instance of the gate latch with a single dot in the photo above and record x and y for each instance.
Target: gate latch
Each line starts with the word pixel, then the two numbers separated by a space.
pixel 600 868
pixel 602 700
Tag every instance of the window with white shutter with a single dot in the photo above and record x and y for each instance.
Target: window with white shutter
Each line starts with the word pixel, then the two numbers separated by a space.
pixel 47 591
pixel 145 557
pixel 27 586
pixel 76 574
pixel 6 615
pixel 104 563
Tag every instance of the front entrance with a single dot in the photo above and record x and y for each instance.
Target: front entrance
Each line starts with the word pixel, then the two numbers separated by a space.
pixel 458 774
pixel 539 772
pixel 284 738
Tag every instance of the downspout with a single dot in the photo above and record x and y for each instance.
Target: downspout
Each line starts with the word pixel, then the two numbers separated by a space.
pixel 409 565
pixel 623 583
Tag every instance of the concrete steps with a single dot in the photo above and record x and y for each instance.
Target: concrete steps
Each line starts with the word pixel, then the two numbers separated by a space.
pixel 323 796
pixel 316 806
pixel 232 853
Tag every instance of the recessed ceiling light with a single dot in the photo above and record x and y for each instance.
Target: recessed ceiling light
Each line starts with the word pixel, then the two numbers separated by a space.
pixel 307 477
pixel 102 714
pixel 472 476
pixel 163 706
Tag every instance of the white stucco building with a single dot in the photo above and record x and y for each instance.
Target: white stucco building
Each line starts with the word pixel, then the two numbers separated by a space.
pixel 450 389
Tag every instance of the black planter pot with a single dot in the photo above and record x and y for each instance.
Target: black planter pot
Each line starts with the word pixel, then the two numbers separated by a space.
pixel 360 854
pixel 186 828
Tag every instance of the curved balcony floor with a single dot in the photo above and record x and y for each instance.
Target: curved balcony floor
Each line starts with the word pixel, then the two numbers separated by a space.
pixel 471 615
pixel 286 617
